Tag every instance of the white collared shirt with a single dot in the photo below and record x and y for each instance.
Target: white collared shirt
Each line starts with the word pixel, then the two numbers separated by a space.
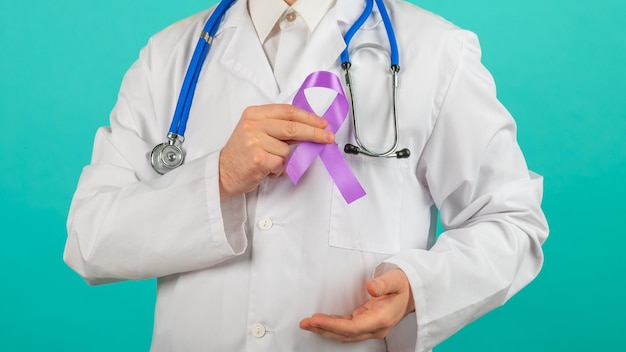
pixel 271 16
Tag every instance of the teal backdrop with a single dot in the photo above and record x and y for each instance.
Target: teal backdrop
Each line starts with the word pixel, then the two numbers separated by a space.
pixel 560 69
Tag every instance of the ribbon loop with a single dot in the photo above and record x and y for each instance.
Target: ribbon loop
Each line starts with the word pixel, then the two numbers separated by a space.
pixel 331 156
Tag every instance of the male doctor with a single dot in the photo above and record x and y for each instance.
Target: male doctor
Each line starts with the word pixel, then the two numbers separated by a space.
pixel 247 261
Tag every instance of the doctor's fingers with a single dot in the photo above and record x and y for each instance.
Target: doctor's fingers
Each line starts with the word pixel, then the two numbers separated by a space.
pixel 291 132
pixel 359 327
pixel 287 123
pixel 349 337
pixel 273 146
pixel 284 112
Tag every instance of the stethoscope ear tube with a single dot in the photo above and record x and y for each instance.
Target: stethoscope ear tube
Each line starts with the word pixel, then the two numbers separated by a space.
pixel 400 154
pixel 360 148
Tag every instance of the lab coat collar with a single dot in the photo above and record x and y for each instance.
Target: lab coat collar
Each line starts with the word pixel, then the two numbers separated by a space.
pixel 244 56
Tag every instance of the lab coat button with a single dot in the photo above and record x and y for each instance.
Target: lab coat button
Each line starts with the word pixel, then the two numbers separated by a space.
pixel 265 224
pixel 258 330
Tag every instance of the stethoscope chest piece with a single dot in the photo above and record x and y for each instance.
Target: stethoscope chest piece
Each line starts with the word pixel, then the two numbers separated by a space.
pixel 167 156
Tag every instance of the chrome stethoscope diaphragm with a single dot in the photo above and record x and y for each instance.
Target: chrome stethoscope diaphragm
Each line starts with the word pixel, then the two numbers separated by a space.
pixel 169 155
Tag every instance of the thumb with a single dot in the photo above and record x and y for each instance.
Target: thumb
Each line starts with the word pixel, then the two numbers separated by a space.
pixel 387 283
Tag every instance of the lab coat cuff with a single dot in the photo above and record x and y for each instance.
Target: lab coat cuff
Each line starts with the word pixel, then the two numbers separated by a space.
pixel 227 217
pixel 422 343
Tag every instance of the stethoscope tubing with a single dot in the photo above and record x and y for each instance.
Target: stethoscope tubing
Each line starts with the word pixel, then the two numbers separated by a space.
pixel 169 155
pixel 185 98
pixel 369 5
pixel 393 44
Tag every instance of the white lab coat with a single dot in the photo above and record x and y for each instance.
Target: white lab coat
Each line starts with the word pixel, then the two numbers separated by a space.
pixel 240 275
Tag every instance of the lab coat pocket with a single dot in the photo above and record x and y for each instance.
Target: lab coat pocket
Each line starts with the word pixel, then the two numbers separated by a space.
pixel 372 223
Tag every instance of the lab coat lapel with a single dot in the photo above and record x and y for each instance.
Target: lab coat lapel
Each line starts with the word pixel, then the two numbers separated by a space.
pixel 323 50
pixel 244 57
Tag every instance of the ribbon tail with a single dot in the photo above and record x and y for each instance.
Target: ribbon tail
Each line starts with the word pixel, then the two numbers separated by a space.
pixel 342 175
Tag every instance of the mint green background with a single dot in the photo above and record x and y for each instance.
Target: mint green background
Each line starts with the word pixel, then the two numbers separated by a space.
pixel 560 69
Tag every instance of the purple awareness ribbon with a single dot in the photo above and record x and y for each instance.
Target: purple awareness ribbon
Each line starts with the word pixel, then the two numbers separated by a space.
pixel 306 152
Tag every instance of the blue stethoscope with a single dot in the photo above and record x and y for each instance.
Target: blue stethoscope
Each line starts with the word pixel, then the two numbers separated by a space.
pixel 170 155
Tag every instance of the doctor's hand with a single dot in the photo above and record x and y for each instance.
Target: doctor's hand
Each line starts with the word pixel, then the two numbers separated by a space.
pixel 391 300
pixel 259 145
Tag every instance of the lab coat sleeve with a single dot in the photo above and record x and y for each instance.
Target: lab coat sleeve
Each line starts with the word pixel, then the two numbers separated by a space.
pixel 127 222
pixel 489 207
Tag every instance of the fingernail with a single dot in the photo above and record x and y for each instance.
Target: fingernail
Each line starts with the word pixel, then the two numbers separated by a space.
pixel 329 136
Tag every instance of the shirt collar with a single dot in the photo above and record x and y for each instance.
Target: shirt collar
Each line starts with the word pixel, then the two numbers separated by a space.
pixel 265 13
